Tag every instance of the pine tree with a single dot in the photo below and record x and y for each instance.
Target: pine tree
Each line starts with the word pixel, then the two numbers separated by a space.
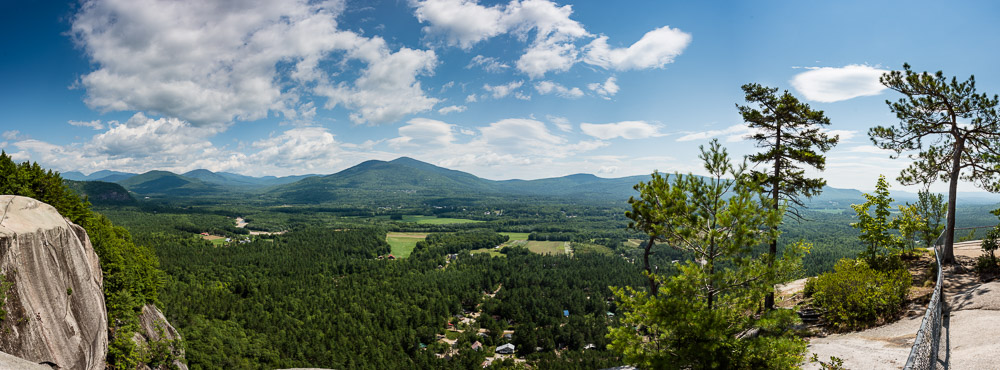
pixel 700 317
pixel 955 130
pixel 791 134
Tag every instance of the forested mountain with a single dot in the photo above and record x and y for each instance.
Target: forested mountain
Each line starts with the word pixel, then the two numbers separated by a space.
pixel 168 183
pixel 236 180
pixel 102 175
pixel 100 192
pixel 407 180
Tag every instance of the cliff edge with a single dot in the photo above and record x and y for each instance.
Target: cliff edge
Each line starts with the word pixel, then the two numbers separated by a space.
pixel 53 312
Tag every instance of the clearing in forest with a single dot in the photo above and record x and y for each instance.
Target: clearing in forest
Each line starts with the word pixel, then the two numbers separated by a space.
pixel 541 247
pixel 402 244
pixel 517 236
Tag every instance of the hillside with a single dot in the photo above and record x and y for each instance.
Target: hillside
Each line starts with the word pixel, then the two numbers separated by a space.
pixel 100 192
pixel 168 183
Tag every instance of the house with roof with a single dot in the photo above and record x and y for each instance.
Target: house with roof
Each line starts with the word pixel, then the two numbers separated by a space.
pixel 477 346
pixel 506 349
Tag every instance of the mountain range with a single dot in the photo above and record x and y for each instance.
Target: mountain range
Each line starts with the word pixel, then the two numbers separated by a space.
pixel 409 179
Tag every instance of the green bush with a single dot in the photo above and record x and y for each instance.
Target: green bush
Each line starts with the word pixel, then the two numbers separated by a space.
pixel 856 296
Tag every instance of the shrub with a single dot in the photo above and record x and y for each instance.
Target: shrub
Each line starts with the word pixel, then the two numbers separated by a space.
pixel 986 265
pixel 856 296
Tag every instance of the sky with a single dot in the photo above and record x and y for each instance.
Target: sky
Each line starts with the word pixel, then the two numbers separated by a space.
pixel 501 89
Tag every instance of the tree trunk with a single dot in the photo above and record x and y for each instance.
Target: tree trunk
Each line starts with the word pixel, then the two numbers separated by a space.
pixel 948 251
pixel 645 262
pixel 773 247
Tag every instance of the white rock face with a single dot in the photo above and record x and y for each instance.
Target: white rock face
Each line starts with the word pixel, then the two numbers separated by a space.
pixel 55 309
pixel 152 323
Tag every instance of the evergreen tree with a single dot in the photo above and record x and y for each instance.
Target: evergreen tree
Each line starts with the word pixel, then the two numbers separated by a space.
pixel 960 128
pixel 790 132
pixel 702 316
pixel 931 208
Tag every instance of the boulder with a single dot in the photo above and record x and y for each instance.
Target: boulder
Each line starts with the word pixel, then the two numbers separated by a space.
pixel 54 304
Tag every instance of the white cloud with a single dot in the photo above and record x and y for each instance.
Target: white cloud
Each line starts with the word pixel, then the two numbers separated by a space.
pixel 501 91
pixel 845 135
pixel 607 89
pixel 447 86
pixel 452 108
pixel 471 98
pixel 460 23
pixel 95 124
pixel 212 63
pixel 489 64
pixel 11 135
pixel 561 122
pixel 732 133
pixel 655 49
pixel 422 132
pixel 829 84
pixel 547 56
pixel 624 129
pixel 388 89
pixel 549 87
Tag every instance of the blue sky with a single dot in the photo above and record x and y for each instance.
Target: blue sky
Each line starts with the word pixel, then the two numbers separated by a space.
pixel 501 89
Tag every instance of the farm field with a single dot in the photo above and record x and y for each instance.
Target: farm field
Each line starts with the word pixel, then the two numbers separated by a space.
pixel 541 247
pixel 517 236
pixel 402 244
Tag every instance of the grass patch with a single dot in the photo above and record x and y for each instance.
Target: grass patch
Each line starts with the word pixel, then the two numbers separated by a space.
pixel 491 251
pixel 541 247
pixel 517 236
pixel 402 244
pixel 431 220
pixel 591 248
pixel 452 335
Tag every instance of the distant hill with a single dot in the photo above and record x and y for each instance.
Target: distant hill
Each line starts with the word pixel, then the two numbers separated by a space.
pixel 236 180
pixel 100 192
pixel 102 175
pixel 168 183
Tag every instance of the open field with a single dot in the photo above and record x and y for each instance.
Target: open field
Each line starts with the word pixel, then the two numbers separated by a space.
pixel 547 247
pixel 491 251
pixel 517 236
pixel 591 248
pixel 403 243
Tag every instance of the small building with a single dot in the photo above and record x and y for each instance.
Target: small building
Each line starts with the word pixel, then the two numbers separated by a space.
pixel 611 314
pixel 204 234
pixel 391 257
pixel 508 336
pixel 506 349
pixel 477 346
pixel 565 313
pixel 589 346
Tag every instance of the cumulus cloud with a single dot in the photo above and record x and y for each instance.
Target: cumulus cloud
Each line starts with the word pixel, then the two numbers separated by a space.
pixel 422 132
pixel 732 133
pixel 549 87
pixel 488 64
pixel 830 84
pixel 212 63
pixel 553 33
pixel 460 23
pixel 500 91
pixel 471 98
pixel 95 124
pixel 607 89
pixel 452 108
pixel 624 129
pixel 655 49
